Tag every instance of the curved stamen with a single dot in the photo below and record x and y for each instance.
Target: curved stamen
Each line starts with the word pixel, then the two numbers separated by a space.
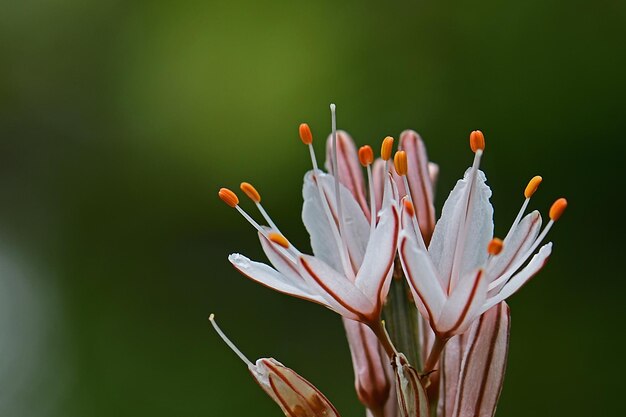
pixel 531 188
pixel 342 226
pixel 366 158
pixel 229 343
pixel 555 213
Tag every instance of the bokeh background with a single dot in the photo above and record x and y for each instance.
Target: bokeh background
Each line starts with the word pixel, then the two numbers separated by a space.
pixel 119 121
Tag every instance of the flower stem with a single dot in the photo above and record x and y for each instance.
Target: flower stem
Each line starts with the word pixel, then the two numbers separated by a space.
pixel 383 337
pixel 434 355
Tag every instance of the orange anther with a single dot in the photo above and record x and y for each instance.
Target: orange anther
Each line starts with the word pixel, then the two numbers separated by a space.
pixel 305 134
pixel 532 186
pixel 279 239
pixel 228 197
pixel 477 141
pixel 366 155
pixel 557 209
pixel 400 162
pixel 386 148
pixel 408 206
pixel 250 191
pixel 495 246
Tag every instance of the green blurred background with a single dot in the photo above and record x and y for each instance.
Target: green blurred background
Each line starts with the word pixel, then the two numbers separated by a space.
pixel 120 120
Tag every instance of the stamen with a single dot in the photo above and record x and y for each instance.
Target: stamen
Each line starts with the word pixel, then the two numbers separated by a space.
pixel 229 343
pixel 400 162
pixel 557 209
pixel 386 148
pixel 256 197
pixel 307 138
pixel 342 241
pixel 408 206
pixel 370 181
pixel 305 134
pixel 279 239
pixel 477 141
pixel 532 186
pixel 366 155
pixel 228 197
pixel 251 192
pixel 495 246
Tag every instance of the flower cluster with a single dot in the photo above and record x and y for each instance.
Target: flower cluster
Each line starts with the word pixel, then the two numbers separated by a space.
pixel 372 226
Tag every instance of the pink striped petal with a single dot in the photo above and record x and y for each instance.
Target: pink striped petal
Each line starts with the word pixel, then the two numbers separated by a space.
pixel 370 362
pixel 350 171
pixel 338 291
pixel 449 229
pixel 422 278
pixel 379 177
pixel 412 399
pixel 433 173
pixel 296 396
pixel 516 245
pixel 418 178
pixel 273 279
pixel 484 364
pixel 449 373
pixel 522 277
pixel 463 305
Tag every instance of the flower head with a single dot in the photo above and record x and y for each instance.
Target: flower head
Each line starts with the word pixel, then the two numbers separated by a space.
pixel 353 249
pixel 465 271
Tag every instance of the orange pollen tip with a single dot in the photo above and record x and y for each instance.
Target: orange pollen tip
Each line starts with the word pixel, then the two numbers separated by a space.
pixel 279 239
pixel 250 191
pixel 557 209
pixel 495 246
pixel 366 155
pixel 305 134
pixel 228 197
pixel 532 186
pixel 477 141
pixel 386 148
pixel 400 162
pixel 408 206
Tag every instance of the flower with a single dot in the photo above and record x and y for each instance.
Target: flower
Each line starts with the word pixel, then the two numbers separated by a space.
pixel 296 396
pixel 350 271
pixel 455 279
pixel 353 250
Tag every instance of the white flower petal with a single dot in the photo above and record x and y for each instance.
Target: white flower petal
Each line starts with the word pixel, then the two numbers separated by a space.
pixel 422 277
pixel 279 260
pixel 323 242
pixel 463 305
pixel 379 257
pixel 516 245
pixel 338 291
pixel 269 277
pixel 448 230
pixel 518 280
